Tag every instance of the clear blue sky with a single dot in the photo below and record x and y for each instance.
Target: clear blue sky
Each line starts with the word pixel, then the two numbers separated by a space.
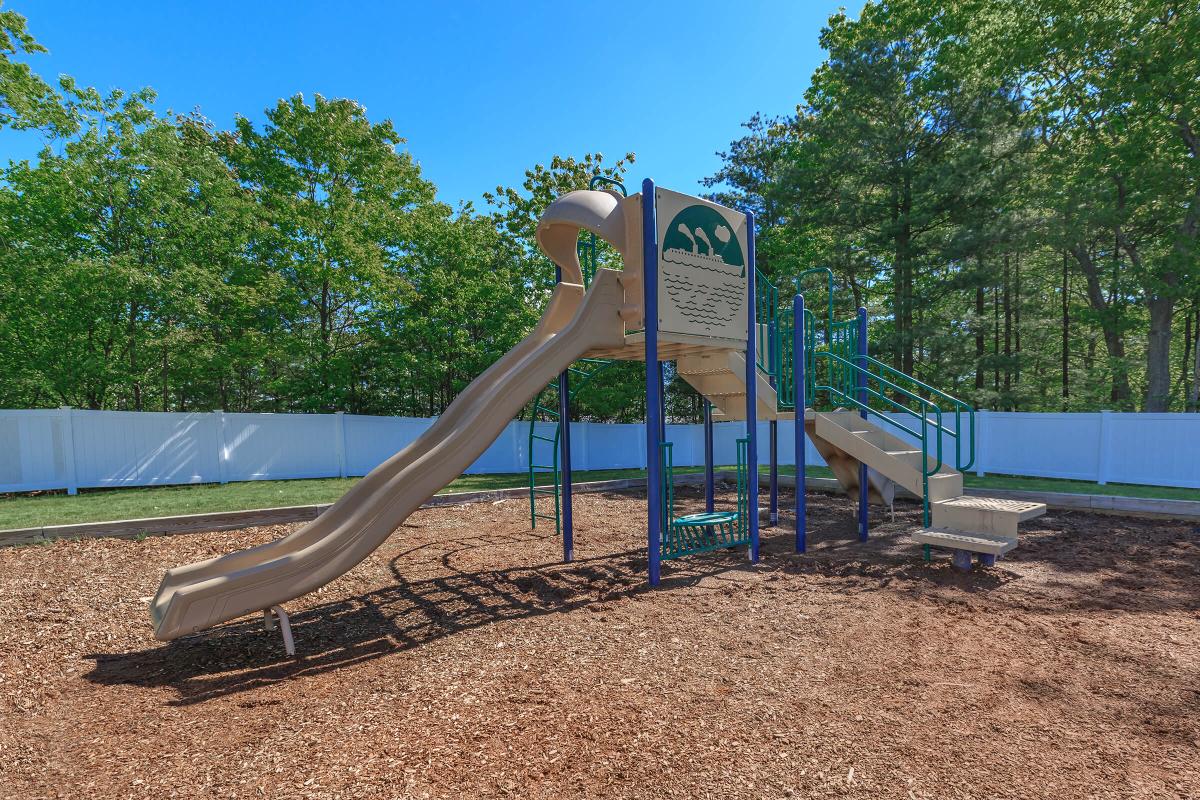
pixel 481 90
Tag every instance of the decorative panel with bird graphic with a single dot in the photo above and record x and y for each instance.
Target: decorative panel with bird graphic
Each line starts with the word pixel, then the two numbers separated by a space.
pixel 702 267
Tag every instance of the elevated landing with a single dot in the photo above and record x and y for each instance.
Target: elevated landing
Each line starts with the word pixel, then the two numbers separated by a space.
pixel 671 347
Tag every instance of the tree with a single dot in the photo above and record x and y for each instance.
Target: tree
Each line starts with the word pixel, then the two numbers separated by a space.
pixel 26 100
pixel 336 198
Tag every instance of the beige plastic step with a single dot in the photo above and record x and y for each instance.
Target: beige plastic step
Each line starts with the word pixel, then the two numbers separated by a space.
pixel 963 540
pixel 886 454
pixel 990 515
pixel 721 377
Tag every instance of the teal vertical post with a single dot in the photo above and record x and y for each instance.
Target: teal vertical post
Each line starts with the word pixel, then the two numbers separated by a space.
pixel 861 383
pixel 751 390
pixel 798 364
pixel 654 422
pixel 564 456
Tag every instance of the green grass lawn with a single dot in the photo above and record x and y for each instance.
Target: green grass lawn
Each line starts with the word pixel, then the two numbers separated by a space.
pixel 26 511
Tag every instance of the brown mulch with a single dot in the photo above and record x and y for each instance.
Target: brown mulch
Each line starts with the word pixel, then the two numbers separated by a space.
pixel 463 660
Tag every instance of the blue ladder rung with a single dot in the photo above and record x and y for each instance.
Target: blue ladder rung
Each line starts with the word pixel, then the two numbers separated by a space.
pixel 543 438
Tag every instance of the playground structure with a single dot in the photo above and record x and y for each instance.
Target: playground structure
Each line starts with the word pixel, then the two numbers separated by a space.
pixel 688 293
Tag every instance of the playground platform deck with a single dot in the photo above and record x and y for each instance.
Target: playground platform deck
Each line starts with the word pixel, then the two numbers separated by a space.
pixel 462 659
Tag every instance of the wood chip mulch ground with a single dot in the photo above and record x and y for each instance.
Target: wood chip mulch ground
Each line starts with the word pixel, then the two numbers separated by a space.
pixel 463 660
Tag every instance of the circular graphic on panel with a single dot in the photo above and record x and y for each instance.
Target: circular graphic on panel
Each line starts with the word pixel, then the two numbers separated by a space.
pixel 704 269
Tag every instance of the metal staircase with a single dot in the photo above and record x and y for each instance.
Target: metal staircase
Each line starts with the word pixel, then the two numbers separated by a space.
pixel 863 411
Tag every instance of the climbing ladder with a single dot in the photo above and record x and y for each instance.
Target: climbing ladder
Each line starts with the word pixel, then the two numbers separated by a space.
pixel 544 448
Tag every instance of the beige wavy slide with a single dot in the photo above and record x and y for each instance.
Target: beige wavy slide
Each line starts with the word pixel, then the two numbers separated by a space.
pixel 201 595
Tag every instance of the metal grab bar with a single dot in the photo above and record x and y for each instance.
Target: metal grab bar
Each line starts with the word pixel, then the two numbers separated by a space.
pixel 927 406
pixel 959 407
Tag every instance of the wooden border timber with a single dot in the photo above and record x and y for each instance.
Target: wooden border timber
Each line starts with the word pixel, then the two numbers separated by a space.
pixel 1065 501
pixel 231 520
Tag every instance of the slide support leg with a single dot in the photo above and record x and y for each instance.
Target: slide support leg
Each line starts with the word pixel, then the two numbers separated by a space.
pixel 285 626
pixel 564 443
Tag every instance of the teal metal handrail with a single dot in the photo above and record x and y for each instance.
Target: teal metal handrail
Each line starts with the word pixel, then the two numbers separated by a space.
pixel 927 406
pixel 769 355
pixel 829 291
pixel 960 407
pixel 847 394
pixel 598 180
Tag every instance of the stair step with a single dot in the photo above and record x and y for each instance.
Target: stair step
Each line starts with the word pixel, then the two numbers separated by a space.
pixel 990 515
pixel 1023 509
pixel 962 540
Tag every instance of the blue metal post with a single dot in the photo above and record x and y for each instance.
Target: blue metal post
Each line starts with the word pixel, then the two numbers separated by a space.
pixel 773 354
pixel 751 389
pixel 708 456
pixel 798 362
pixel 564 443
pixel 653 382
pixel 861 382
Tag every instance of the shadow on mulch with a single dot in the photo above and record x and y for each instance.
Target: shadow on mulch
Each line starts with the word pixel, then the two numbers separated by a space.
pixel 1086 562
pixel 241 656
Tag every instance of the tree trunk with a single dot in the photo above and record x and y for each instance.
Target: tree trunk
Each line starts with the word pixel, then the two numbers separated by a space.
pixel 980 341
pixel 1158 353
pixel 1017 322
pixel 996 346
pixel 1194 402
pixel 1066 333
pixel 1008 317
pixel 133 374
pixel 1114 340
pixel 1186 362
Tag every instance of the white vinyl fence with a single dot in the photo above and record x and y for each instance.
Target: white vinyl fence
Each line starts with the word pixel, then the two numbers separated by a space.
pixel 72 449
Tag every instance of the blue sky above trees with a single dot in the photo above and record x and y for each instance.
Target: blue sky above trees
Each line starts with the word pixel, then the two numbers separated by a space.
pixel 481 91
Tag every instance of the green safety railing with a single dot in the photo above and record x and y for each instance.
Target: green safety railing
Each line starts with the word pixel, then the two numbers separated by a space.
pixel 768 356
pixel 847 382
pixel 960 409
pixel 836 375
pixel 714 530
pixel 545 406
